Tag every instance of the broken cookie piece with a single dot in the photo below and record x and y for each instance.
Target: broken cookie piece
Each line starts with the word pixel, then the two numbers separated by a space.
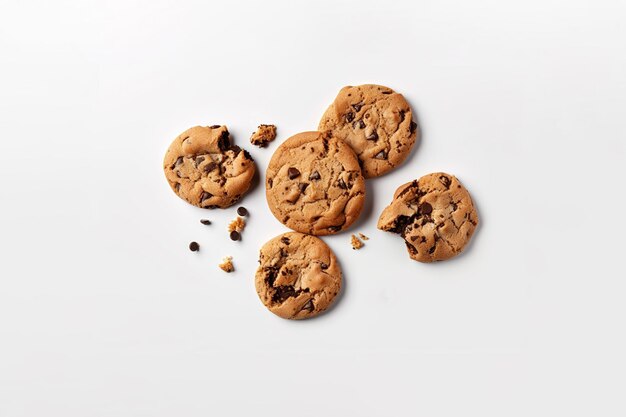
pixel 362 236
pixel 227 264
pixel 263 135
pixel 435 215
pixel 356 242
pixel 237 225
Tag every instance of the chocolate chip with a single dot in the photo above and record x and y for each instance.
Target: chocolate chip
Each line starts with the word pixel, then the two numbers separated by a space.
pixel 314 176
pixel 199 160
pixel 285 240
pixel 235 149
pixel 426 208
pixel 381 155
pixel 350 117
pixel 445 181
pixel 242 211
pixel 293 173
pixel 386 92
pixel 194 247
pixel 177 186
pixel 270 182
pixel 214 126
pixel 223 142
pixel 179 161
pixel 361 124
pixel 413 126
pixel 357 107
pixel 205 196
pixel 401 116
pixel 247 155
pixel 308 306
pixel 372 136
pixel 303 186
pixel 342 184
pixel 205 222
pixel 210 166
pixel 323 265
pixel 431 250
pixel 234 235
pixel 284 292
pixel 334 228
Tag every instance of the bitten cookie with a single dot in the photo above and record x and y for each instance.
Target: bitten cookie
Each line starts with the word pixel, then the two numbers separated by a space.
pixel 435 216
pixel 298 276
pixel 376 122
pixel 204 169
pixel 314 184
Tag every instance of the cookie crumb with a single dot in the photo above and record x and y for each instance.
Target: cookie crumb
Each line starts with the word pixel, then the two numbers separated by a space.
pixel 362 236
pixel 356 243
pixel 227 265
pixel 237 225
pixel 263 135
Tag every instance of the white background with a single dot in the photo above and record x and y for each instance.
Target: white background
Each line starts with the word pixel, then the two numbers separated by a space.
pixel 105 312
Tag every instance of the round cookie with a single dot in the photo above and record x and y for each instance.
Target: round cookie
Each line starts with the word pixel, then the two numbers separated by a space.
pixel 376 122
pixel 314 184
pixel 204 169
pixel 298 276
pixel 435 216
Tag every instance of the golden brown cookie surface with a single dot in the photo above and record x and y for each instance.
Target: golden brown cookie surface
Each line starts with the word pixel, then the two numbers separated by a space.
pixel 298 276
pixel 376 122
pixel 204 169
pixel 435 215
pixel 314 184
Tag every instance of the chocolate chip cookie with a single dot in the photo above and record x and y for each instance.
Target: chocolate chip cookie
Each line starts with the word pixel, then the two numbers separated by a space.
pixel 298 276
pixel 435 216
pixel 204 169
pixel 376 122
pixel 314 184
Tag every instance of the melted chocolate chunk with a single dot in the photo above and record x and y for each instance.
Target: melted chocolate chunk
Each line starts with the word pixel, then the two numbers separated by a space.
pixel 223 143
pixel 314 176
pixel 205 196
pixel 308 306
pixel 425 208
pixel 210 166
pixel 350 117
pixel 293 173
pixel 372 136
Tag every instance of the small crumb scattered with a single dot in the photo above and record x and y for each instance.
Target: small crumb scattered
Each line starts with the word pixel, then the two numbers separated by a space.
pixel 237 225
pixel 263 135
pixel 356 243
pixel 362 236
pixel 227 264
